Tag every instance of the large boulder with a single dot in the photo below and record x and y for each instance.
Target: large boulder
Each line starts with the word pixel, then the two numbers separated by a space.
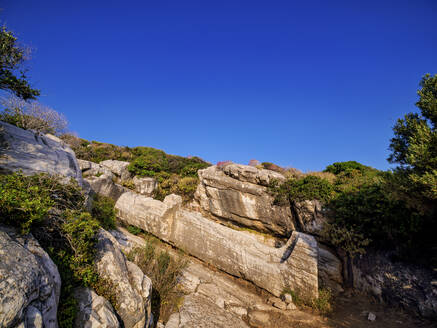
pixel 92 169
pixel 239 193
pixel 119 168
pixel 145 186
pixel 132 288
pixel 33 153
pixel 104 185
pixel 94 310
pixel 239 253
pixel 30 284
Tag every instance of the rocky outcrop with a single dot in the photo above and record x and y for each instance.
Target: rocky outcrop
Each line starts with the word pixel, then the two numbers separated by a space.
pixel 92 169
pixel 133 290
pixel 239 193
pixel 119 168
pixel 94 310
pixel 30 283
pixel 145 186
pixel 104 185
pixel 309 216
pixel 412 287
pixel 330 270
pixel 34 153
pixel 293 265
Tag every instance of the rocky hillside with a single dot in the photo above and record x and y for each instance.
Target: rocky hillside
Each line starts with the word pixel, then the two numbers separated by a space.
pixel 225 254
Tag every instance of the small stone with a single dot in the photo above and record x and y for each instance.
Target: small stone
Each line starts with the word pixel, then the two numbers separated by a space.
pixel 280 305
pixel 291 306
pixel 288 299
pixel 371 317
pixel 273 300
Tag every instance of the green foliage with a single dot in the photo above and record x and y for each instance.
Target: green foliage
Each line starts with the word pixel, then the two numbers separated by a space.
pixel 133 230
pixel 323 304
pixel 185 187
pixel 52 208
pixel 103 210
pixel 12 57
pixel 164 271
pixel 341 167
pixel 307 188
pixel 414 148
pixel 23 202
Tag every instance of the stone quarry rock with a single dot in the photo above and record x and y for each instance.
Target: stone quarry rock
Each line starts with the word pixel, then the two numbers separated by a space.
pixel 233 194
pixel 248 173
pixel 330 270
pixel 198 311
pixel 309 216
pixel 94 311
pixel 34 153
pixel 104 185
pixel 132 288
pixel 259 319
pixel 30 283
pixel 92 169
pixel 238 253
pixel 119 168
pixel 145 186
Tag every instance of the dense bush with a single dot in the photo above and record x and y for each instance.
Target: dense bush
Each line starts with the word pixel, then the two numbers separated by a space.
pixel 52 208
pixel 184 187
pixel 307 188
pixel 103 210
pixel 164 271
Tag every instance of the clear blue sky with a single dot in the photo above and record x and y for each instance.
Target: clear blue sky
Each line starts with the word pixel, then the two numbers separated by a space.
pixel 297 83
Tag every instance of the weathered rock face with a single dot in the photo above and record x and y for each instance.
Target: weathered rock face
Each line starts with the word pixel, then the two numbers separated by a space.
pixel 309 216
pixel 104 185
pixel 92 169
pixel 330 270
pixel 400 284
pixel 145 186
pixel 30 283
pixel 238 193
pixel 119 168
pixel 35 153
pixel 133 289
pixel 241 254
pixel 199 311
pixel 94 311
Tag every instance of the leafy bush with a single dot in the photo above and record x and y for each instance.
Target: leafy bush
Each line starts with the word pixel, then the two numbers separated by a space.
pixel 341 167
pixel 23 202
pixel 307 188
pixel 164 271
pixel 133 230
pixel 103 210
pixel 185 187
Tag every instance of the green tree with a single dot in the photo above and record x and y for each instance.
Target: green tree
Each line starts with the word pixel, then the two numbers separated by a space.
pixel 414 147
pixel 12 57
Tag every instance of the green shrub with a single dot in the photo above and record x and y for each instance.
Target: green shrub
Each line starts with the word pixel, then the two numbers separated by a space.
pixel 103 210
pixel 133 230
pixel 164 271
pixel 307 188
pixel 23 202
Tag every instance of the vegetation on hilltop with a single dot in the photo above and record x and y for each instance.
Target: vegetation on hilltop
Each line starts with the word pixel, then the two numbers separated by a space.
pixel 175 174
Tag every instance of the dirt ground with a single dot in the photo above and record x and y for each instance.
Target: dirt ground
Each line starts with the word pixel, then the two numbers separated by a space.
pixel 352 312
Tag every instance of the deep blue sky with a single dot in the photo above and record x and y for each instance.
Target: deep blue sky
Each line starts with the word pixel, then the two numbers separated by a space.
pixel 298 83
